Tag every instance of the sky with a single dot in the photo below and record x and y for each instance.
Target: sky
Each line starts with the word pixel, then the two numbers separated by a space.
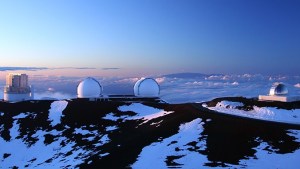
pixel 152 36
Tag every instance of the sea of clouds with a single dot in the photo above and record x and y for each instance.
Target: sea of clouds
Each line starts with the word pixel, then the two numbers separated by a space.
pixel 177 88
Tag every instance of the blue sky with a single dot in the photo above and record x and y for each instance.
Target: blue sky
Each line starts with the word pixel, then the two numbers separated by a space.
pixel 155 36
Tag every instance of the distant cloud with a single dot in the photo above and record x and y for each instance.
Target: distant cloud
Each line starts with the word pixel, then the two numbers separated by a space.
pixel 73 68
pixel 110 68
pixel 39 68
pixel 22 68
pixel 173 90
pixel 50 89
pixel 53 95
pixel 127 80
pixel 185 75
pixel 160 80
pixel 235 83
pixel 84 68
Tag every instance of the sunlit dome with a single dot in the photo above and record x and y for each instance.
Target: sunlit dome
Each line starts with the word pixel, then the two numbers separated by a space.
pixel 146 87
pixel 278 89
pixel 89 88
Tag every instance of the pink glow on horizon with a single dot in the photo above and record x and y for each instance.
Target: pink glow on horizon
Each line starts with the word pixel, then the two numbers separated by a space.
pixel 73 72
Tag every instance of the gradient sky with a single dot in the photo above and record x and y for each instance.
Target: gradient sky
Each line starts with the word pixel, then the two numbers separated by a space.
pixel 154 36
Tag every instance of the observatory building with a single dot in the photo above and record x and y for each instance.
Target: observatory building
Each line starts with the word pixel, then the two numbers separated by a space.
pixel 279 92
pixel 146 87
pixel 145 90
pixel 17 88
pixel 89 88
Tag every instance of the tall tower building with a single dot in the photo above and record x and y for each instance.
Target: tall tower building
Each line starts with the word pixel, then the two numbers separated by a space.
pixel 17 88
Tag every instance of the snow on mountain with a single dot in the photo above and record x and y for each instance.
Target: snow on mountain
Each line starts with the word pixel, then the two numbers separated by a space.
pixel 55 112
pixel 114 134
pixel 62 134
pixel 175 149
pixel 263 113
pixel 48 148
pixel 143 112
pixel 265 159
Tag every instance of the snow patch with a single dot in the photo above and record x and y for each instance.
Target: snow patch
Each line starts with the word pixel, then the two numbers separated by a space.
pixel 55 112
pixel 104 154
pixel 229 104
pixel 264 159
pixel 14 131
pixel 36 155
pixel 20 116
pixel 294 133
pixel 110 128
pixel 157 153
pixel 104 139
pixel 112 117
pixel 81 131
pixel 144 112
pixel 262 113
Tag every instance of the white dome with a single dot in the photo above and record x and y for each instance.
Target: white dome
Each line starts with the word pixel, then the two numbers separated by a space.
pixel 89 88
pixel 278 89
pixel 146 87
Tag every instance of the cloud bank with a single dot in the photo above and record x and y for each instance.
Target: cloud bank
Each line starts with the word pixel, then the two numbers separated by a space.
pixel 22 68
pixel 173 89
pixel 111 68
pixel 42 68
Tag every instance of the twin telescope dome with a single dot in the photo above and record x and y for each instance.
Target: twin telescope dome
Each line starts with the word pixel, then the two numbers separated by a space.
pixel 146 87
pixel 91 88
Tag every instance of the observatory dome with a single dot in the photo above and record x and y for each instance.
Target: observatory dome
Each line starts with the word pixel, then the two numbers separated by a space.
pixel 89 88
pixel 146 87
pixel 278 89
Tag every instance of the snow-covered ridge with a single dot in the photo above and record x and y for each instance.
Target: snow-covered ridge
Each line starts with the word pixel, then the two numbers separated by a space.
pixel 157 153
pixel 144 112
pixel 83 134
pixel 59 142
pixel 262 113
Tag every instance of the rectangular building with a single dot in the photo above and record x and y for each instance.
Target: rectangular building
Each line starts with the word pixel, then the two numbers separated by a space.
pixel 17 83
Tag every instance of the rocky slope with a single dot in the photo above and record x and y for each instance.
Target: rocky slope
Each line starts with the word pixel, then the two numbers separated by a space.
pixel 118 134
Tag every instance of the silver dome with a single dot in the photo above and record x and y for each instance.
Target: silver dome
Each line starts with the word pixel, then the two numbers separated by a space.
pixel 278 89
pixel 146 87
pixel 89 88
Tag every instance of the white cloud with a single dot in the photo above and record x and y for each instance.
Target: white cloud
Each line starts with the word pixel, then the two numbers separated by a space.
pixel 235 83
pixel 127 80
pixel 160 80
pixel 173 90
pixel 50 89
pixel 54 95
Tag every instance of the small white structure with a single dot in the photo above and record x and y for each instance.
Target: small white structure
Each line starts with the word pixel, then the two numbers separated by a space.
pixel 89 88
pixel 146 87
pixel 17 88
pixel 278 89
pixel 279 92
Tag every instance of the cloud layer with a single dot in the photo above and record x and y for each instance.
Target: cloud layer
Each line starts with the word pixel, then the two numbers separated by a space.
pixel 22 68
pixel 42 68
pixel 173 89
